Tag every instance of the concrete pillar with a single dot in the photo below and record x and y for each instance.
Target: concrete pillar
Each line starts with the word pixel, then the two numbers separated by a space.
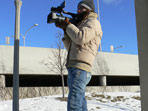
pixel 2 81
pixel 103 80
pixel 141 8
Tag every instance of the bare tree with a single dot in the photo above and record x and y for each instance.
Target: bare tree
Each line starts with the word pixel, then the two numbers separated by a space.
pixel 57 60
pixel 101 68
pixel 3 66
pixel 100 65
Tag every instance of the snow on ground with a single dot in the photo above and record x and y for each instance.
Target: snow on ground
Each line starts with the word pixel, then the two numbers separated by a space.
pixel 113 101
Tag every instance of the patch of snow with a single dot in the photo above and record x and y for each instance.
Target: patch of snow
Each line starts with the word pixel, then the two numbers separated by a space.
pixel 112 101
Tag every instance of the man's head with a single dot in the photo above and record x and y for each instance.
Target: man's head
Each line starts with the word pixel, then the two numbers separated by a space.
pixel 86 5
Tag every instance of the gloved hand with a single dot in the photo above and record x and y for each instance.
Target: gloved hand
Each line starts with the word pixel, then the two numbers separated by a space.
pixel 63 24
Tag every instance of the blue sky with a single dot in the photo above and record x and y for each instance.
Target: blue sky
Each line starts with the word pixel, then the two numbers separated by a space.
pixel 117 18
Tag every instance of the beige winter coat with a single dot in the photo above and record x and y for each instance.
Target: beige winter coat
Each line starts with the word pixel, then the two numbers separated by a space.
pixel 82 42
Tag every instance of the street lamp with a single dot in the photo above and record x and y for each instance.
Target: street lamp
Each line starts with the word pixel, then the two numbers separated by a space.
pixel 24 36
pixel 98 10
pixel 7 40
pixel 18 4
pixel 112 47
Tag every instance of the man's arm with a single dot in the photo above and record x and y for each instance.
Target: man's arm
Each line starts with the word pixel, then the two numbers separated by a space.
pixel 88 32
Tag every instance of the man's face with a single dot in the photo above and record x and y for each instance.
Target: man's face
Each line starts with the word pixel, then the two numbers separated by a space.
pixel 81 9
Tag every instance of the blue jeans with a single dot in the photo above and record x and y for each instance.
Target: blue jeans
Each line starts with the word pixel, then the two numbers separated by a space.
pixel 77 81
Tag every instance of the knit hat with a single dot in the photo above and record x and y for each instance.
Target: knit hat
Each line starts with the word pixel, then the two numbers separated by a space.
pixel 88 4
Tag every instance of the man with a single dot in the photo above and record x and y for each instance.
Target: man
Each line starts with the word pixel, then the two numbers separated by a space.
pixel 82 41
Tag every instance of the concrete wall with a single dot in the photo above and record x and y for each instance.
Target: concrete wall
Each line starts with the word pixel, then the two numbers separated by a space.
pixel 31 57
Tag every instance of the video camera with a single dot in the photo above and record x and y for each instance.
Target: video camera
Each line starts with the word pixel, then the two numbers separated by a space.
pixel 56 14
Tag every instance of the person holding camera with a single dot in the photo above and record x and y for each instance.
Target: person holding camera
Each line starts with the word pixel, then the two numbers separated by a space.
pixel 82 41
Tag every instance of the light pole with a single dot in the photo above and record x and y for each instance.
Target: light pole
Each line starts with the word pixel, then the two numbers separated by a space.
pixel 24 36
pixel 100 46
pixel 98 10
pixel 7 40
pixel 18 4
pixel 112 47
